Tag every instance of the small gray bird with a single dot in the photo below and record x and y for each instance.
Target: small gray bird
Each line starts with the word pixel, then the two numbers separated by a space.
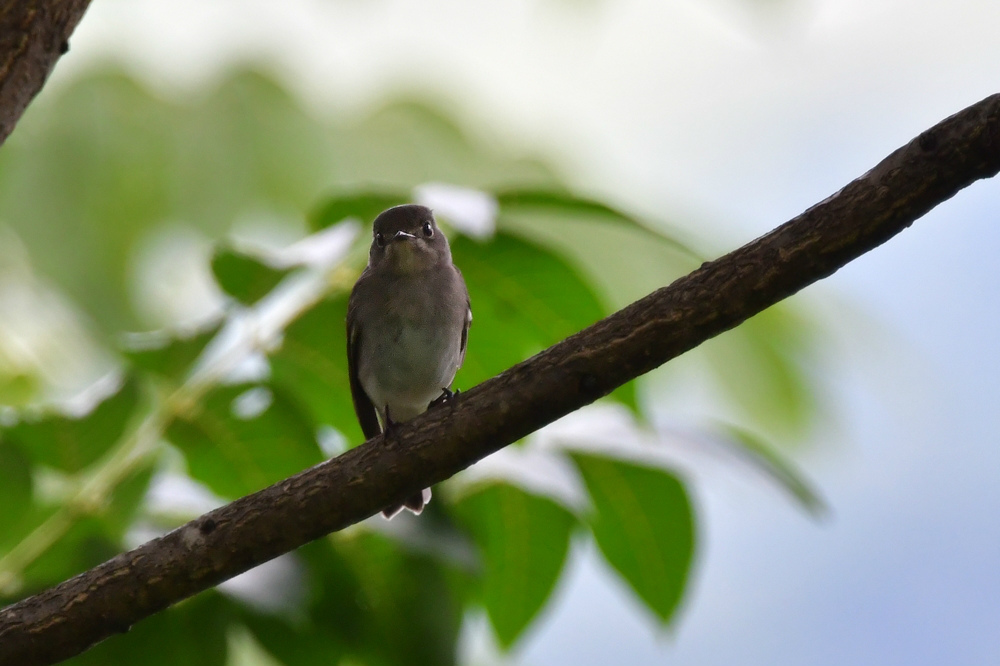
pixel 407 325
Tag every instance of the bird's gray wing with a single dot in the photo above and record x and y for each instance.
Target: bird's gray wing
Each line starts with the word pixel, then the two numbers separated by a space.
pixel 465 336
pixel 363 407
pixel 468 319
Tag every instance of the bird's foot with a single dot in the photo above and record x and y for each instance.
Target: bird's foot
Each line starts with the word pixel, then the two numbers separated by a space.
pixel 446 395
pixel 389 423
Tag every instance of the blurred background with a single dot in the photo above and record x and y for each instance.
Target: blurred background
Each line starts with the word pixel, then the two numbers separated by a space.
pixel 184 176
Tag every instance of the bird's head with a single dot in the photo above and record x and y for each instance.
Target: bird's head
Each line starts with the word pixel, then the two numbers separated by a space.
pixel 406 239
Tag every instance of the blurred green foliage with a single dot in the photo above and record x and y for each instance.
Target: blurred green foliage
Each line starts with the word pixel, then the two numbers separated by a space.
pixel 239 439
pixel 165 356
pixel 243 277
pixel 87 175
pixel 644 525
pixel 252 393
pixel 72 444
pixel 520 568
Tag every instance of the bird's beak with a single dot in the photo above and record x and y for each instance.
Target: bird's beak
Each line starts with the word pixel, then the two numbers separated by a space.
pixel 402 235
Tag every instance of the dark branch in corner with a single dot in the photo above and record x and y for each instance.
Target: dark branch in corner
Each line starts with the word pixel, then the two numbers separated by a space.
pixel 33 34
pixel 65 620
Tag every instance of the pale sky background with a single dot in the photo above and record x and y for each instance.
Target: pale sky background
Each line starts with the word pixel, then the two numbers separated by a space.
pixel 707 111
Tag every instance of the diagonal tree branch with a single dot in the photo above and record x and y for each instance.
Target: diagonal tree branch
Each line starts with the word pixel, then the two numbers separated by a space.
pixel 72 616
pixel 33 34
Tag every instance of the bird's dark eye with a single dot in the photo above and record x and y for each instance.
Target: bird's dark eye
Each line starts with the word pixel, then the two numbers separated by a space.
pixel 380 240
pixel 428 230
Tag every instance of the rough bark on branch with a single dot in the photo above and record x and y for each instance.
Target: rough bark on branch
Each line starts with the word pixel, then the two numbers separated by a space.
pixel 70 617
pixel 33 34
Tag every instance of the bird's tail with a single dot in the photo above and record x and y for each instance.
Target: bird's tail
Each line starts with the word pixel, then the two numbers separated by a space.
pixel 414 503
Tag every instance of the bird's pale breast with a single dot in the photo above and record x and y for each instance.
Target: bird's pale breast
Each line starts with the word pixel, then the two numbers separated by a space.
pixel 416 352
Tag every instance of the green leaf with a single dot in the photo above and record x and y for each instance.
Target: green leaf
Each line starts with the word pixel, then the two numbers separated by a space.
pixel 94 536
pixel 406 142
pixel 564 203
pixel 123 503
pixel 168 357
pixel 768 460
pixel 405 611
pixel 620 258
pixel 294 643
pixel 644 526
pixel 363 206
pixel 18 388
pixel 240 439
pixel 312 365
pixel 85 544
pixel 551 198
pixel 192 633
pixel 95 532
pixel 71 444
pixel 759 366
pixel 523 539
pixel 524 299
pixel 15 489
pixel 245 278
pixel 338 572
